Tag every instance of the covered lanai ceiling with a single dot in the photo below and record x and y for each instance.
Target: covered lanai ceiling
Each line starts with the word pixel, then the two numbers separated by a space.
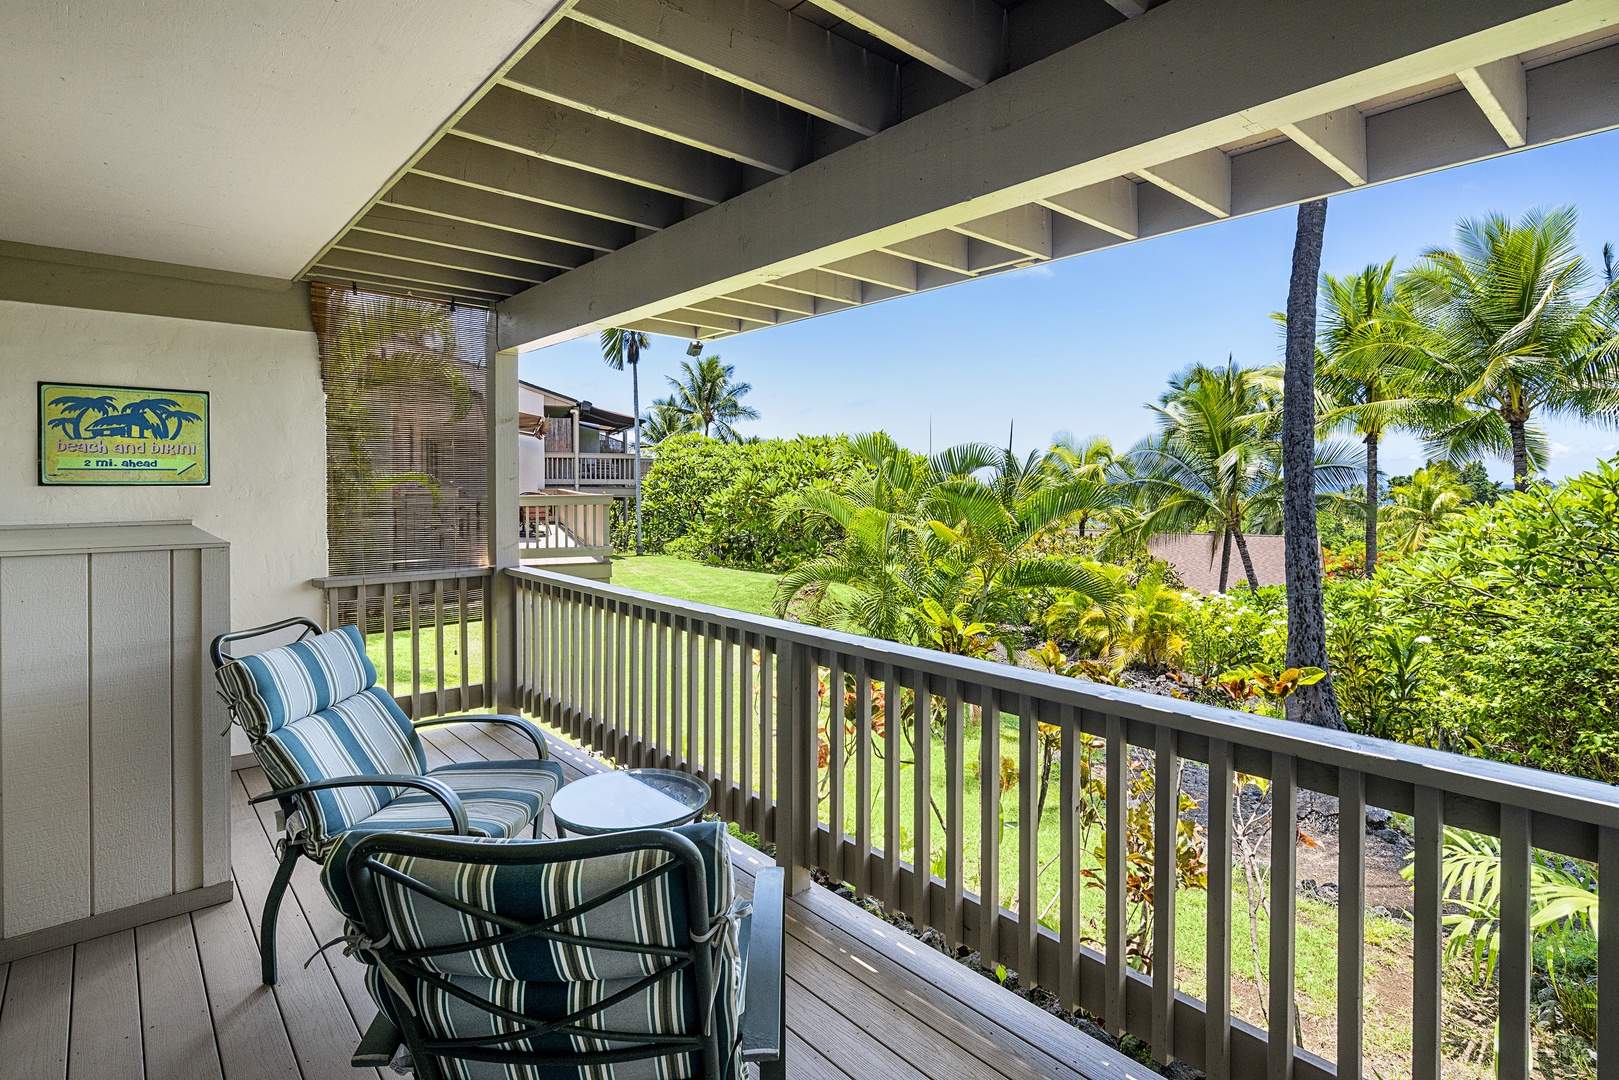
pixel 707 167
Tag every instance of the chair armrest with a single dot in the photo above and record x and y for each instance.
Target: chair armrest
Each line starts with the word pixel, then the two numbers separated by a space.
pixel 378 1045
pixel 439 790
pixel 764 1018
pixel 534 734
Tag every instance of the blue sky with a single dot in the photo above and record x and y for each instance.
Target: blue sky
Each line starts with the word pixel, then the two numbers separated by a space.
pixel 1080 345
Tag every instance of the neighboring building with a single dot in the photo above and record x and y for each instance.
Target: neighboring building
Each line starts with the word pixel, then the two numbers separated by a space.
pixel 1195 558
pixel 568 444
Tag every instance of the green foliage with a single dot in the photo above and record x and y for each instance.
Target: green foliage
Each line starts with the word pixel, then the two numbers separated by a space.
pixel 688 472
pixel 1224 631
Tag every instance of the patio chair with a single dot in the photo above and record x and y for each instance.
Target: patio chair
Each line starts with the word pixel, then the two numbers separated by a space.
pixel 342 757
pixel 616 956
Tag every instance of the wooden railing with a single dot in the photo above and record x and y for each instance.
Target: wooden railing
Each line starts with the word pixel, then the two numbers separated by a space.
pixel 743 702
pixel 425 633
pixel 564 526
pixel 600 469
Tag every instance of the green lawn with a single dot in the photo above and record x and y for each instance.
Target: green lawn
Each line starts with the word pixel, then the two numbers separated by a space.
pixel 683 579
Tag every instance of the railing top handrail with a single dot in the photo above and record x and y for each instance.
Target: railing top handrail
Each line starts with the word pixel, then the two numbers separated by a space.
pixel 579 498
pixel 1480 778
pixel 348 581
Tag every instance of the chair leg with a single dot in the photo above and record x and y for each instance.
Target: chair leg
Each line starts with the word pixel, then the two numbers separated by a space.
pixel 272 908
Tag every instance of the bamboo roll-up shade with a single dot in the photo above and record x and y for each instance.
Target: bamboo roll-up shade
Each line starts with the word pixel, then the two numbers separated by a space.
pixel 406 446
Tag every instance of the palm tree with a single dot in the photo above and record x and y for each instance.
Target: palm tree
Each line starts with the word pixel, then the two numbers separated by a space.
pixel 1370 363
pixel 1091 460
pixel 1431 502
pixel 74 409
pixel 707 396
pixel 1522 335
pixel 663 420
pixel 1315 703
pixel 620 347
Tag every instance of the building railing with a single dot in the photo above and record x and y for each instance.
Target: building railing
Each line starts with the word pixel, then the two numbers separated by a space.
pixel 425 633
pixel 810 739
pixel 564 526
pixel 608 469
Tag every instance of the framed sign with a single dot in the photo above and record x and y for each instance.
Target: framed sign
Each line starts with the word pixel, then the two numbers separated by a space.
pixel 122 435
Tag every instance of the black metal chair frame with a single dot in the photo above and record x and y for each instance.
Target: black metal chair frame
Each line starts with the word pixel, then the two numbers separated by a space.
pixel 290 849
pixel 761 1035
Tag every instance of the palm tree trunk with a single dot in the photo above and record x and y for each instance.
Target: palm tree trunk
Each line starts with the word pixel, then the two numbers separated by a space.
pixel 1247 561
pixel 1306 602
pixel 1225 559
pixel 635 403
pixel 1520 452
pixel 1371 504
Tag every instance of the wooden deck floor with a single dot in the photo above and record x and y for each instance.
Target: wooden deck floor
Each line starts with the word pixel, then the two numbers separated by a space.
pixel 181 998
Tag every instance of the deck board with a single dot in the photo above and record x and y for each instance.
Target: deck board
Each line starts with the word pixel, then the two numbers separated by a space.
pixel 864 1001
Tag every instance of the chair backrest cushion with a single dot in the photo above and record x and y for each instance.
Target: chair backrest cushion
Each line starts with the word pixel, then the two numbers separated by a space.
pixel 313 711
pixel 271 689
pixel 546 979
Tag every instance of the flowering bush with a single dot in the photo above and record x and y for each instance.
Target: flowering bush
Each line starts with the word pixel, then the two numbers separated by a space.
pixel 1224 631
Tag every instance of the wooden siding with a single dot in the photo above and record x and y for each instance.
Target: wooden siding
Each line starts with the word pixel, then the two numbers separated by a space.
pixel 112 761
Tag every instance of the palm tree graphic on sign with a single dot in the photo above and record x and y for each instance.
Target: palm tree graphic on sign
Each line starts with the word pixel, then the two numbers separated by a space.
pixel 148 418
pixel 74 409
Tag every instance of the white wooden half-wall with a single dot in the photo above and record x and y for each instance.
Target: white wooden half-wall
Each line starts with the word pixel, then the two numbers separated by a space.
pixel 114 762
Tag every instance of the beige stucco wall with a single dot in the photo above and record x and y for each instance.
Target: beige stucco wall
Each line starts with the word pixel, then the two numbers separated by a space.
pixel 268 490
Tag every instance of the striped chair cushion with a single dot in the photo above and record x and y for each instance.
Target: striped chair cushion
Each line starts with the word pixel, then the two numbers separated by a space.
pixel 268 690
pixel 500 798
pixel 364 734
pixel 548 979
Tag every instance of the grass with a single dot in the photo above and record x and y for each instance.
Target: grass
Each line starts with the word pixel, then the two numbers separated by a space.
pixel 683 579
pixel 428 636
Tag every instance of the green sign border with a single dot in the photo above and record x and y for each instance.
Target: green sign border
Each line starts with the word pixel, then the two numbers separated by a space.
pixel 128 479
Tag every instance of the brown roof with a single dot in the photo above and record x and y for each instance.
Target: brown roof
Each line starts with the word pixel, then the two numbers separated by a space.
pixel 1195 558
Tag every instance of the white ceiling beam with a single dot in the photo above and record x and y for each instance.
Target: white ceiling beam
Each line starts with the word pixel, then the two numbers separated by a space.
pixel 773 297
pixel 444 199
pixel 737 309
pixel 583 68
pixel 493 168
pixel 345 260
pixel 667 328
pixel 517 121
pixel 388 285
pixel 461 235
pixel 879 268
pixel 704 319
pixel 1024 229
pixel 1202 179
pixel 1502 94
pixel 824 284
pixel 757 45
pixel 1109 206
pixel 1195 76
pixel 397 247
pixel 945 249
pixel 1336 139
pixel 962 38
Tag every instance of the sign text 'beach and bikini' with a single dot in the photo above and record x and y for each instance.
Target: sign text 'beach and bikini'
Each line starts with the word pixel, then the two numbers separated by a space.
pixel 122 435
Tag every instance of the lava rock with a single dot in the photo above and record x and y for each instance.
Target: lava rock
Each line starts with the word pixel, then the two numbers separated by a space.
pixel 1377 818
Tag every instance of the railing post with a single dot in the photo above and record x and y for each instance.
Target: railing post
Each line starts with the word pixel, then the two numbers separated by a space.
pixel 795 763
pixel 501 510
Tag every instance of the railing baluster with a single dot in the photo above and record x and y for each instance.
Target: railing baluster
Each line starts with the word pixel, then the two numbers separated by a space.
pixel 1165 827
pixel 1513 967
pixel 689 751
pixel 461 701
pixel 1427 935
pixel 1028 848
pixel 726 792
pixel 767 737
pixel 989 831
pixel 890 894
pixel 1351 921
pixel 1217 962
pixel 955 829
pixel 862 777
pixel 708 710
pixel 595 661
pixel 1069 858
pixel 660 738
pixel 388 637
pixel 922 801
pixel 415 656
pixel 1608 955
pixel 836 741
pixel 1118 770
pixel 746 726
pixel 646 691
pixel 1284 805
pixel 439 705
pixel 331 609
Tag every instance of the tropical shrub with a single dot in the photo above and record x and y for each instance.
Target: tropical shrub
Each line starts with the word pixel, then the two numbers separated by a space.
pixel 687 473
pixel 1224 631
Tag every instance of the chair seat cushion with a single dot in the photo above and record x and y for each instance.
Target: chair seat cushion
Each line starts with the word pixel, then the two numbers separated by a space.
pixel 501 799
